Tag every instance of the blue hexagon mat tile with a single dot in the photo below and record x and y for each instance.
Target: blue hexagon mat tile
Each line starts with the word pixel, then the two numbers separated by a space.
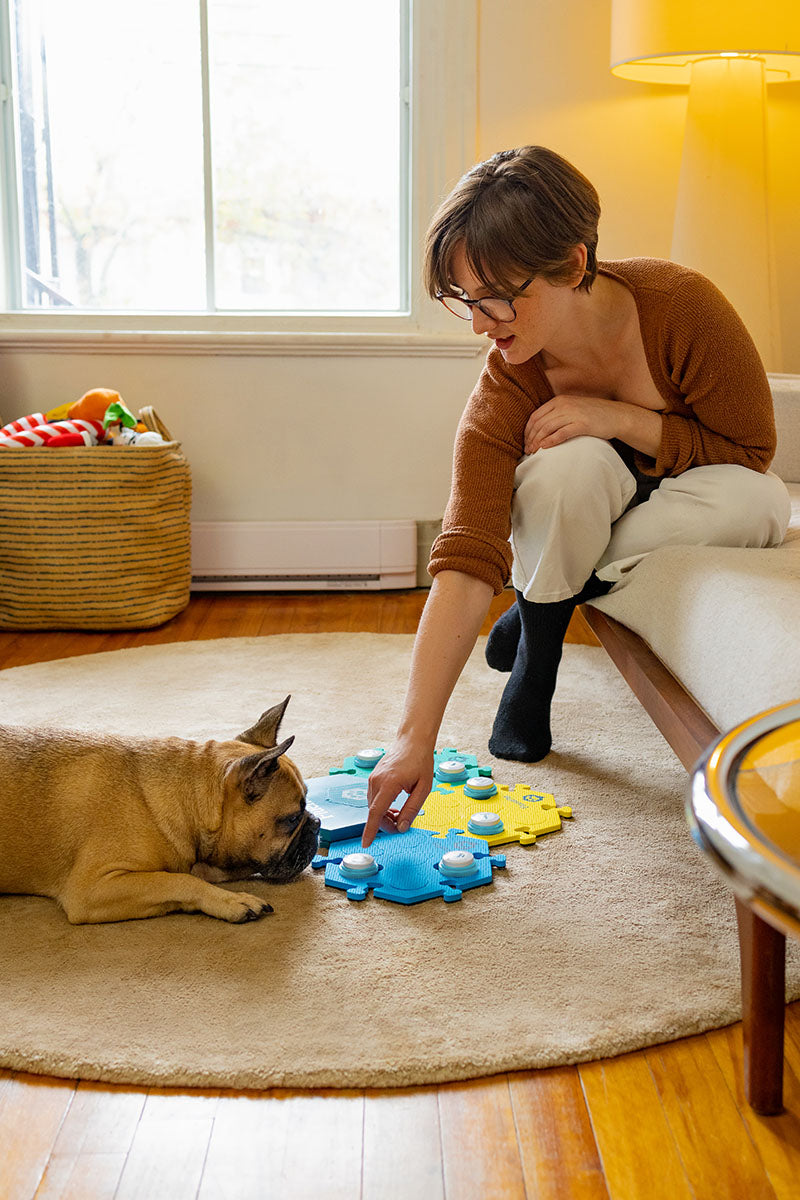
pixel 340 802
pixel 408 868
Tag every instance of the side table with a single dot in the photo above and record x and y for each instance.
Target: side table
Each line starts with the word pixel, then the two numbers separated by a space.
pixel 744 813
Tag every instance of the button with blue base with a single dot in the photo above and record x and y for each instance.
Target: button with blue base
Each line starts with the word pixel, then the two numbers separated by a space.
pixel 451 771
pixel 456 864
pixel 485 823
pixel 367 759
pixel 358 866
pixel 478 786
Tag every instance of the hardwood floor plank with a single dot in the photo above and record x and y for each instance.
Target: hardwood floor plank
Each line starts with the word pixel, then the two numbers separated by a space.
pixel 32 1108
pixel 102 1119
pixel 560 1160
pixel 165 1161
pixel 165 1104
pixel 245 1154
pixel 81 1176
pixel 717 1154
pixel 480 1153
pixel 365 614
pixel 402 1145
pixel 277 614
pixel 777 1139
pixel 301 1145
pixel 638 1149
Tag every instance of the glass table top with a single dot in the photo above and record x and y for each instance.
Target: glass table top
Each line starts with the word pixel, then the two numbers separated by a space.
pixel 744 810
pixel 766 785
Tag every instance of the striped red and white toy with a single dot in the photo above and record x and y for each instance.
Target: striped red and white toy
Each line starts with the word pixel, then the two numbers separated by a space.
pixel 36 430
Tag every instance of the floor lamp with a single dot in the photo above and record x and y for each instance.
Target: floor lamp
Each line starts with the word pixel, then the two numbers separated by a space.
pixel 726 51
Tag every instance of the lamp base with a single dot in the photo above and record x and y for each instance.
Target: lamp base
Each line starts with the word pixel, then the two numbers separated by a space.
pixel 722 214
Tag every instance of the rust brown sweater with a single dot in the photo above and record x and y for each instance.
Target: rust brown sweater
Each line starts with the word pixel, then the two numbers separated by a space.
pixel 704 364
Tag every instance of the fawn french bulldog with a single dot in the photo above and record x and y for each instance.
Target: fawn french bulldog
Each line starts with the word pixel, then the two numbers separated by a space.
pixel 116 828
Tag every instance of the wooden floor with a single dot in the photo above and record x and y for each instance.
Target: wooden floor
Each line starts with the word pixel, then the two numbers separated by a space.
pixel 668 1122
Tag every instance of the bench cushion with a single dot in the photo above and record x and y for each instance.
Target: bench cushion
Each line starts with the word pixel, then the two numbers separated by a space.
pixel 725 621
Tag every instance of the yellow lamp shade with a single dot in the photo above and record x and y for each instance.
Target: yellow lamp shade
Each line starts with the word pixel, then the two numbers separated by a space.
pixel 657 41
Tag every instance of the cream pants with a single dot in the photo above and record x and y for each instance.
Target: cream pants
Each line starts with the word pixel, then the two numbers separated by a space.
pixel 568 515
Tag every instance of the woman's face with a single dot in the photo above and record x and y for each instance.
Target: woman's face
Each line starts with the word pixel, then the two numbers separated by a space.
pixel 541 312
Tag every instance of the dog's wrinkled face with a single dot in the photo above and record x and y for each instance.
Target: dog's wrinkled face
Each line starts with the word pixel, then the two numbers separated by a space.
pixel 266 829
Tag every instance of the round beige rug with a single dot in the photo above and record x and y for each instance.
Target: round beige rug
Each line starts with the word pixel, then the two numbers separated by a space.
pixel 609 935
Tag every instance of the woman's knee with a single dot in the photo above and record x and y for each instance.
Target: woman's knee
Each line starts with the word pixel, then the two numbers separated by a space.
pixel 577 470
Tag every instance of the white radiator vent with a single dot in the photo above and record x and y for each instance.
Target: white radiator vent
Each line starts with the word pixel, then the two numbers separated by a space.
pixel 303 555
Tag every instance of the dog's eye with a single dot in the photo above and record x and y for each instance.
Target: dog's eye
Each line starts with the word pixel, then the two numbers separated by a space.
pixel 291 823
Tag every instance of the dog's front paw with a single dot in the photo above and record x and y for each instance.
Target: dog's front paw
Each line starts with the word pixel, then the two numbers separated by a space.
pixel 243 907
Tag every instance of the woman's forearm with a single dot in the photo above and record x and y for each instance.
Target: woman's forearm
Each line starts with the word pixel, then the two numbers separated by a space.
pixel 450 624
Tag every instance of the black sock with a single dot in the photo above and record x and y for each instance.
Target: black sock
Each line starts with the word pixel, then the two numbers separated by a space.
pixel 521 728
pixel 501 645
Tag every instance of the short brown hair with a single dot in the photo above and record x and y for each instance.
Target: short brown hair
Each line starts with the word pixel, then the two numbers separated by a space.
pixel 520 210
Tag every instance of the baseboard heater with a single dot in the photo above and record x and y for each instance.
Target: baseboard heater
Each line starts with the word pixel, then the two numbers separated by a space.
pixel 303 555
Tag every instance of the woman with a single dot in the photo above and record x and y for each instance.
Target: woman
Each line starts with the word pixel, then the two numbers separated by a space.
pixel 623 406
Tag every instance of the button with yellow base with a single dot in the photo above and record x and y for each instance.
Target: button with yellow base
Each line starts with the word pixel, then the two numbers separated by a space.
pixel 485 823
pixel 478 787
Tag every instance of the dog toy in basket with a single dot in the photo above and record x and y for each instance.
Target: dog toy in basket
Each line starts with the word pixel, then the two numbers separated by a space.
pixel 410 867
pixel 122 429
pixel 36 430
pixel 99 417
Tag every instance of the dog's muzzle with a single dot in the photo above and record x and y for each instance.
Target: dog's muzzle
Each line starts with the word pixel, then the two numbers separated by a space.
pixel 298 854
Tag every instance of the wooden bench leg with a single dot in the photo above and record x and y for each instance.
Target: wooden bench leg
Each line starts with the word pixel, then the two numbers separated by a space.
pixel 763 962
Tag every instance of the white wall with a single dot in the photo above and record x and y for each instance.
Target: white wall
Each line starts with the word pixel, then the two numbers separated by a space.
pixel 281 438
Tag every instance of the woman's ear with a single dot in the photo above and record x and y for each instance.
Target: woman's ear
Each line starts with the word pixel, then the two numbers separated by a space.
pixel 578 258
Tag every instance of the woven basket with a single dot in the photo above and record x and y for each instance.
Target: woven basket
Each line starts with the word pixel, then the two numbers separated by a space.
pixel 94 537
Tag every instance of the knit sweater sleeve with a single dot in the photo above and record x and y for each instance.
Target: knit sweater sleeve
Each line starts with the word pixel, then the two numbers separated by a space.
pixel 722 412
pixel 488 447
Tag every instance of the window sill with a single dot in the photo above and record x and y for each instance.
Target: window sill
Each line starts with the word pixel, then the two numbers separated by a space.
pixel 239 343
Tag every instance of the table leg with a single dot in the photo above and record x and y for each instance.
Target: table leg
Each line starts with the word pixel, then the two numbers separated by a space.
pixel 763 962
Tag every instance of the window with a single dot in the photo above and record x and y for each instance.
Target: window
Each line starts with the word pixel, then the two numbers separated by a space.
pixel 191 240
pixel 229 155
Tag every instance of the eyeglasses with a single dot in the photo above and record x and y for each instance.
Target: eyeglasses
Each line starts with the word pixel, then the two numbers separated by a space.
pixel 493 307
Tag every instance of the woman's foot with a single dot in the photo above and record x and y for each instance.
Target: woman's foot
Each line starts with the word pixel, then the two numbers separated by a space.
pixel 503 640
pixel 521 730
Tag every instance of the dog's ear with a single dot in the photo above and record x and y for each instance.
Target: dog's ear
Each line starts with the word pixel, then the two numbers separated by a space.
pixel 254 771
pixel 265 730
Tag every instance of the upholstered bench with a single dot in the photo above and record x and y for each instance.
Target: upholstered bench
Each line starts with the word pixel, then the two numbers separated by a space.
pixel 707 637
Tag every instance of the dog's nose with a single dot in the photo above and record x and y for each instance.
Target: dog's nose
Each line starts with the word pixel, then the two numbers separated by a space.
pixel 314 822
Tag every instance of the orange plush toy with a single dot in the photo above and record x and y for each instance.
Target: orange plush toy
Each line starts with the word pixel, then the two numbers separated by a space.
pixel 92 405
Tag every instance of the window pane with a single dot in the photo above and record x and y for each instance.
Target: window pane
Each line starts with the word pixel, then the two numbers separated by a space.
pixel 111 153
pixel 306 137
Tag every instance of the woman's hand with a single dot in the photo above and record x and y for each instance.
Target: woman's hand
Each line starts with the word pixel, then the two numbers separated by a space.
pixel 565 417
pixel 404 768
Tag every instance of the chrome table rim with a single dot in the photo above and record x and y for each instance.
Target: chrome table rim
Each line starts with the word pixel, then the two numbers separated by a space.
pixel 752 866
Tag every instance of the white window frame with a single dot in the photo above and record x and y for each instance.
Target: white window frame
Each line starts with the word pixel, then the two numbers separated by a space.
pixel 442 95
